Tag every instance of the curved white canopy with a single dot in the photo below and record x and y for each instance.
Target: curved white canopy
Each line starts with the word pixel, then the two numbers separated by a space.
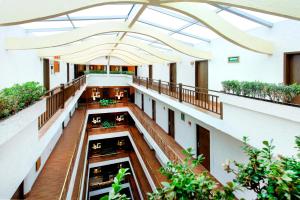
pixel 105 40
pixel 102 27
pixel 39 10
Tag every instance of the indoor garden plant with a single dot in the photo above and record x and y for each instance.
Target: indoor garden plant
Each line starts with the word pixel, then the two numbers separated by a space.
pixel 18 97
pixel 269 91
pixel 115 194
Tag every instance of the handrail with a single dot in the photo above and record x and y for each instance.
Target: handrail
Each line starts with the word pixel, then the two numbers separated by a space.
pixel 57 97
pixel 199 97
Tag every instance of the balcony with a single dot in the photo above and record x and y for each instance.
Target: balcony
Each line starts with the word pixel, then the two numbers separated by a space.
pixel 202 99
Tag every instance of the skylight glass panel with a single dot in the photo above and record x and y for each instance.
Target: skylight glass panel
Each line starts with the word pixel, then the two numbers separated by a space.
pixel 200 31
pixel 267 17
pixel 46 33
pixel 141 37
pixel 47 24
pixel 171 13
pixel 106 10
pixel 154 27
pixel 160 46
pixel 83 23
pixel 162 19
pixel 240 22
pixel 185 39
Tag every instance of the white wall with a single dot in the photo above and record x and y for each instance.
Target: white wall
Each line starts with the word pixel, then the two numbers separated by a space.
pixel 285 36
pixel 59 77
pixel 108 79
pixel 18 66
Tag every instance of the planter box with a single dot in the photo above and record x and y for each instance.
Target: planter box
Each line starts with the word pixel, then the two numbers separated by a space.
pixel 287 112
pixel 18 122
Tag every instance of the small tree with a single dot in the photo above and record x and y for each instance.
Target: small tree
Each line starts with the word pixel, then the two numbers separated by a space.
pixel 184 184
pixel 114 194
pixel 269 177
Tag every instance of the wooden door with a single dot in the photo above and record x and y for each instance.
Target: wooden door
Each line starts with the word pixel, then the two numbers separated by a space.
pixel 150 72
pixel 203 145
pixel 68 72
pixel 171 123
pixel 201 77
pixel 153 110
pixel 173 76
pixel 46 69
pixel 142 95
pixel 135 70
pixel 292 71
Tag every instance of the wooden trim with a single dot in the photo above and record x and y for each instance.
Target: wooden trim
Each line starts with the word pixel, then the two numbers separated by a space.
pixel 68 72
pixel 46 73
pixel 38 164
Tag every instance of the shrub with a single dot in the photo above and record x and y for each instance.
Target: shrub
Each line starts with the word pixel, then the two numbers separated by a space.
pixel 271 178
pixel 107 102
pixel 184 184
pixel 107 124
pixel 95 72
pixel 115 194
pixel 256 89
pixel 18 97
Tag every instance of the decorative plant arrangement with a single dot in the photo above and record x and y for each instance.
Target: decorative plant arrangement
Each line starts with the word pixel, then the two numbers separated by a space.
pixel 107 102
pixel 114 194
pixel 268 91
pixel 184 184
pixel 122 72
pixel 95 72
pixel 269 177
pixel 107 124
pixel 18 97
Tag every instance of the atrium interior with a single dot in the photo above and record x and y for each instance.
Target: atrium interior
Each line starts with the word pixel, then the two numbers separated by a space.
pixel 144 99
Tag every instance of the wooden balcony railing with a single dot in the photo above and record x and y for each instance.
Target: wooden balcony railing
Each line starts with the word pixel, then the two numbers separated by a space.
pixel 57 97
pixel 199 97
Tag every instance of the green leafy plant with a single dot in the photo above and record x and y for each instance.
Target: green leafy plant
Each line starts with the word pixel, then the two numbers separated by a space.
pixel 18 97
pixel 107 102
pixel 269 177
pixel 95 72
pixel 184 184
pixel 114 194
pixel 256 89
pixel 107 124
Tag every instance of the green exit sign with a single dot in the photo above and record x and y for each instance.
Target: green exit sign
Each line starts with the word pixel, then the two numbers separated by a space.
pixel 234 59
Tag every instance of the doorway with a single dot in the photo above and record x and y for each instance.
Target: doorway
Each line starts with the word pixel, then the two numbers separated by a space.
pixel 150 72
pixel 172 78
pixel 153 110
pixel 46 69
pixel 142 97
pixel 68 72
pixel 135 70
pixel 203 145
pixel 201 77
pixel 171 123
pixel 292 71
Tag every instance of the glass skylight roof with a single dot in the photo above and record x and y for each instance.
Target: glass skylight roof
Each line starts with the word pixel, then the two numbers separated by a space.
pixel 105 10
pixel 174 24
pixel 201 31
pixel 240 22
pixel 162 19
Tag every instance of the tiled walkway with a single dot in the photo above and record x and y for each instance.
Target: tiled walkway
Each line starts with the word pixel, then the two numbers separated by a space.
pixel 50 182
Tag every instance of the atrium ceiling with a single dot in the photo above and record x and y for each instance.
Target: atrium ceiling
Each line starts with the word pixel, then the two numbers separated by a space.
pixel 156 32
